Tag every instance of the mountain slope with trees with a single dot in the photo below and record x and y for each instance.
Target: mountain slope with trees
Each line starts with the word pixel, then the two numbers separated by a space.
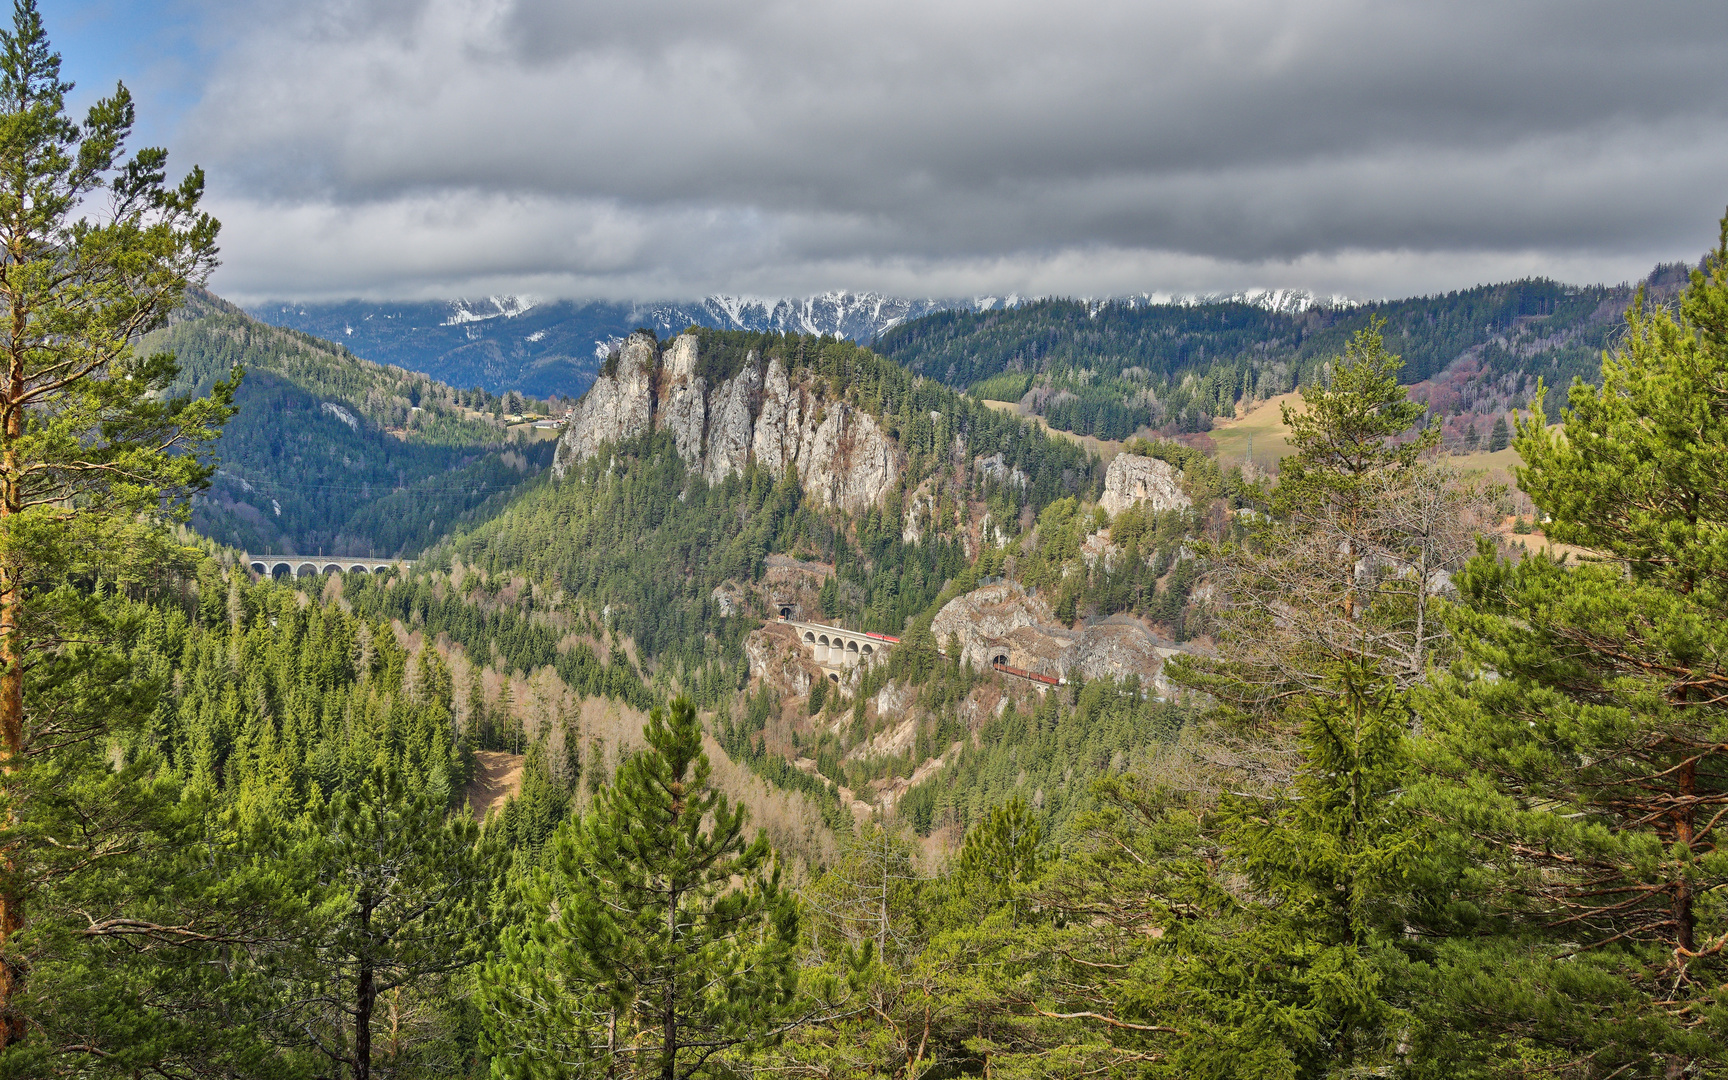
pixel 1113 368
pixel 1421 823
pixel 331 453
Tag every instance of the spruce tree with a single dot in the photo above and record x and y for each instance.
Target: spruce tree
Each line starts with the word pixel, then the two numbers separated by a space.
pixel 1326 620
pixel 1500 437
pixel 91 451
pixel 398 893
pixel 658 938
pixel 998 857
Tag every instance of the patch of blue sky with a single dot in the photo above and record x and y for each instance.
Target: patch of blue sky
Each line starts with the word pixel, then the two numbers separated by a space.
pixel 159 48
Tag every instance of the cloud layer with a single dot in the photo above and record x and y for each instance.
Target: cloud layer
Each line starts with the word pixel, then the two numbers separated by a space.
pixel 671 148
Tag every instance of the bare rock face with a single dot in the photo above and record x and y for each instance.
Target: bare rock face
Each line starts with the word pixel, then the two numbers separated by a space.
pixel 775 440
pixel 893 700
pixel 683 398
pixel 1115 648
pixel 1133 478
pixel 618 406
pixel 729 426
pixel 920 512
pixel 841 457
pixel 995 469
pixel 846 461
pixel 1099 548
pixel 1003 620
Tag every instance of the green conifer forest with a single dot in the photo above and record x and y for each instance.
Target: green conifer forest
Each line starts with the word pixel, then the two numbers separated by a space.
pixel 1406 801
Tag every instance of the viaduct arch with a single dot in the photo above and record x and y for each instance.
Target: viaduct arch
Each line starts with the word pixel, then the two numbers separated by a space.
pixel 304 566
pixel 834 648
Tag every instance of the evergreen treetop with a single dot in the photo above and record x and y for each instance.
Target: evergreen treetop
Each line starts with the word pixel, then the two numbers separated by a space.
pixel 1637 468
pixel 666 936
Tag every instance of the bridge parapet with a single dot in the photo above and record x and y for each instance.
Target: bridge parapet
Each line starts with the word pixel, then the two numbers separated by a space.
pixel 302 566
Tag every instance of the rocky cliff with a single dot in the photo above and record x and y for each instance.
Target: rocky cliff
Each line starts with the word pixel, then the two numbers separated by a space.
pixel 785 421
pixel 1133 478
pixel 1003 620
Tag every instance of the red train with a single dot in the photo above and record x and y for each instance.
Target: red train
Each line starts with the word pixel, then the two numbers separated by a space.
pixel 889 638
pixel 1048 680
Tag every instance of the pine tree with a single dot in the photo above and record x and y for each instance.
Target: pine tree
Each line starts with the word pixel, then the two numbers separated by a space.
pixel 1346 433
pixel 659 937
pixel 1326 623
pixel 90 450
pixel 1585 731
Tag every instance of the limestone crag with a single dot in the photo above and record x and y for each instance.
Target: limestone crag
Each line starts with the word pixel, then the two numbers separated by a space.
pixel 846 461
pixel 1003 620
pixel 996 470
pixel 683 398
pixel 1099 548
pixel 618 406
pixel 729 425
pixel 782 414
pixel 1117 647
pixel 839 454
pixel 920 512
pixel 1133 478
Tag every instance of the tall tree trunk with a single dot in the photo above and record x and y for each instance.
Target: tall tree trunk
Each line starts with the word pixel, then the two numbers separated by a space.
pixel 11 673
pixel 669 1051
pixel 1685 921
pixel 365 997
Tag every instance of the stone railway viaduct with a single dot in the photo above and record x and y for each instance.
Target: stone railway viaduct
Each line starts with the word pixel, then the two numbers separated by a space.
pixel 835 649
pixel 313 565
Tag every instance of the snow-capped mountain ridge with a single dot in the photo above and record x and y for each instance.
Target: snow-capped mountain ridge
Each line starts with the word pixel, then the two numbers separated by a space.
pixel 493 307
pixel 546 347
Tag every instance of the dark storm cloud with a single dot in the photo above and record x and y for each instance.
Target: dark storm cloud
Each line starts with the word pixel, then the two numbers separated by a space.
pixel 677 147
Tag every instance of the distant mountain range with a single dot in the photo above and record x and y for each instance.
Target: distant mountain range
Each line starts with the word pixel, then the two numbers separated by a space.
pixel 504 343
pixel 544 348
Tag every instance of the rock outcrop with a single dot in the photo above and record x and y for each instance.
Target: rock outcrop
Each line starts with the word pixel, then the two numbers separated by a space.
pixel 1132 478
pixel 729 428
pixel 1003 620
pixel 840 455
pixel 618 406
pixel 683 399
pixel 846 461
pixel 782 413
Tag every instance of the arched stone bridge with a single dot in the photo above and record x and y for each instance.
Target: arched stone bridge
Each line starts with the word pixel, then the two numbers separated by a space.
pixel 313 565
pixel 834 648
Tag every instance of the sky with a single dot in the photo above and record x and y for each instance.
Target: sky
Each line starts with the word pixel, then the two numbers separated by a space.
pixel 670 149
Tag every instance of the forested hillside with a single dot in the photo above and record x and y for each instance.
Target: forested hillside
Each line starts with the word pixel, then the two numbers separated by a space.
pixel 1112 369
pixel 1282 877
pixel 1160 771
pixel 331 453
pixel 641 535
